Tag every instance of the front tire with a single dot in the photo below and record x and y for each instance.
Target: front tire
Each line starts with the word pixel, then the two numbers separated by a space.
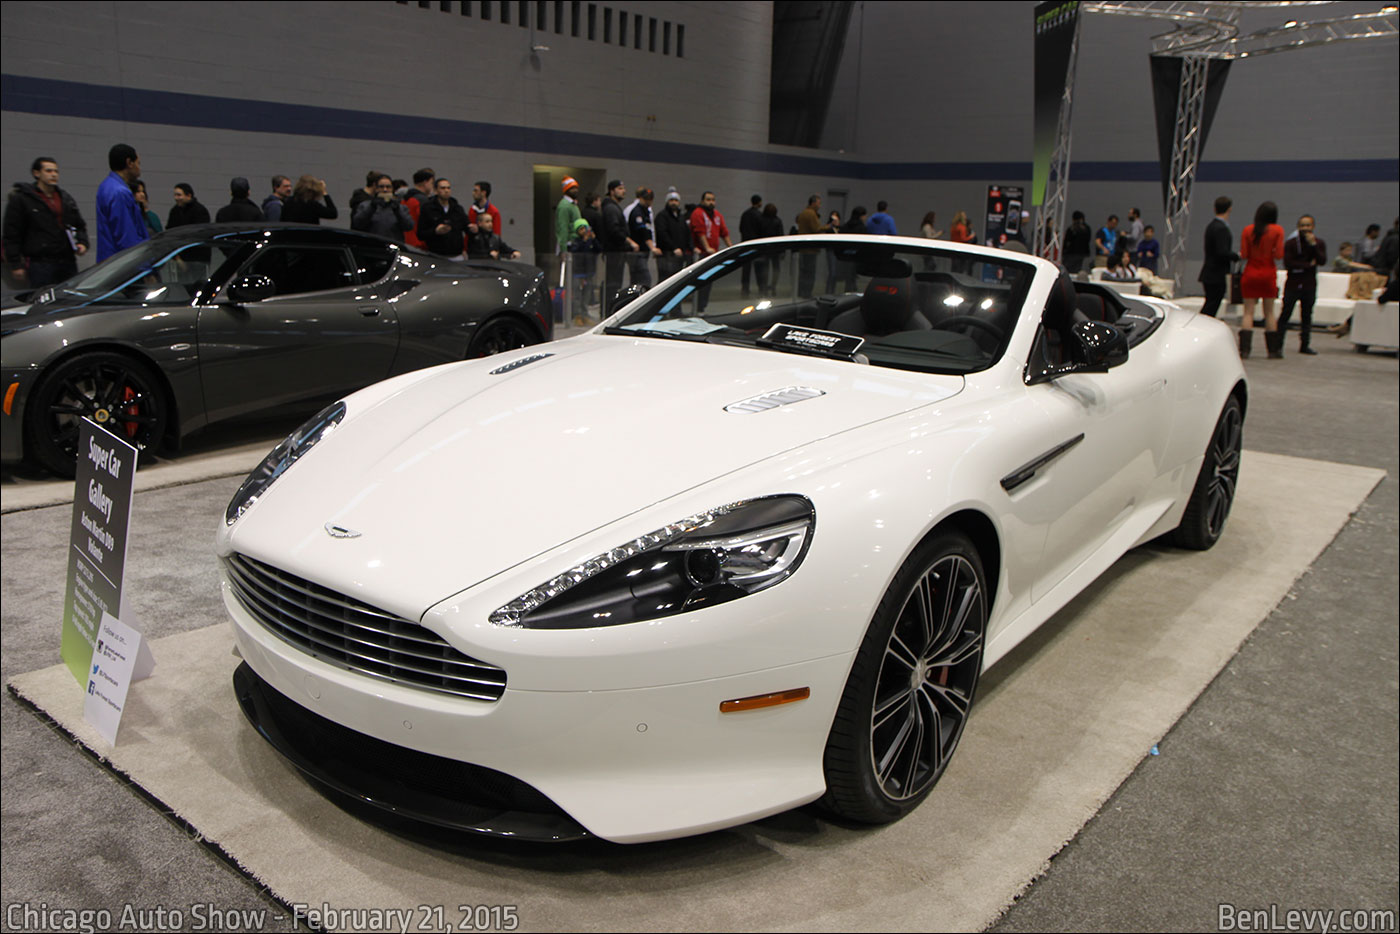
pixel 1214 493
pixel 910 689
pixel 120 394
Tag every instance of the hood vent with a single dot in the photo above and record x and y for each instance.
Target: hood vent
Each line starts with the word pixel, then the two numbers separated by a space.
pixel 517 364
pixel 771 400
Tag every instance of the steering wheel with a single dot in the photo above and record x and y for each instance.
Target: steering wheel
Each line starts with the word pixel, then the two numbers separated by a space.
pixel 978 324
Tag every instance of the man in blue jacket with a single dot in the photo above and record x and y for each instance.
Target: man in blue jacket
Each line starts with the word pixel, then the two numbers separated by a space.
pixel 120 221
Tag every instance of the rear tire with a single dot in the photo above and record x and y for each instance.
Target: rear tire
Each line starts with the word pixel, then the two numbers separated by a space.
pixel 1209 507
pixel 910 689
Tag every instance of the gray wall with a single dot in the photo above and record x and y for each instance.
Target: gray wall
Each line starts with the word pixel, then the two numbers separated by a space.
pixel 920 82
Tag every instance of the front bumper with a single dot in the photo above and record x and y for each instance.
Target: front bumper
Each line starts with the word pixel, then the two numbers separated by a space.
pixel 627 765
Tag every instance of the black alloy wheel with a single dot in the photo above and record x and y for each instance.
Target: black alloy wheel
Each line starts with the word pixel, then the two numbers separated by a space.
pixel 500 334
pixel 122 395
pixel 911 687
pixel 1214 493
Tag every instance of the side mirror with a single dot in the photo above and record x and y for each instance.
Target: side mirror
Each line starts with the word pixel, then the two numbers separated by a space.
pixel 252 289
pixel 1094 347
pixel 1100 346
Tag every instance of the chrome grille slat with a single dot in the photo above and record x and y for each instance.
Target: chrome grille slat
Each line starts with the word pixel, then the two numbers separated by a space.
pixel 319 593
pixel 313 628
pixel 343 631
pixel 433 642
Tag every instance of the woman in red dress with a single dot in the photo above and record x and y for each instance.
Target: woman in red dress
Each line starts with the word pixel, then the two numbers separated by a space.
pixel 1261 247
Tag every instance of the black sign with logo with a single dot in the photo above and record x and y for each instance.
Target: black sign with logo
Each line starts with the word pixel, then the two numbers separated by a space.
pixel 97 542
pixel 812 341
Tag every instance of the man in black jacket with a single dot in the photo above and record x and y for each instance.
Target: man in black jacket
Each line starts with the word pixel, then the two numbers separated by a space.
pixel 187 209
pixel 442 223
pixel 43 229
pixel 750 223
pixel 672 237
pixel 615 242
pixel 1220 253
pixel 240 208
pixel 1303 253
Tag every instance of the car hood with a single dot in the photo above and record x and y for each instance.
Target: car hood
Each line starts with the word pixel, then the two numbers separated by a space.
pixel 466 470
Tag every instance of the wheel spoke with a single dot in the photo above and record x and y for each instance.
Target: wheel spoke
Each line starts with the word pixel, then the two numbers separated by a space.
pixel 891 757
pixel 916 747
pixel 901 653
pixel 889 707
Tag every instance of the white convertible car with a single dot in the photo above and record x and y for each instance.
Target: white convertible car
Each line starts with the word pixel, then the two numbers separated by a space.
pixel 747 545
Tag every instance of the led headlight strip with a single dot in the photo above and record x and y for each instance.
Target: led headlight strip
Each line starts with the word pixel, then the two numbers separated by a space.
pixel 742 563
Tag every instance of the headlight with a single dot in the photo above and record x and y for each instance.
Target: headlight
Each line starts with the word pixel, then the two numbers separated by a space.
pixel 703 560
pixel 282 457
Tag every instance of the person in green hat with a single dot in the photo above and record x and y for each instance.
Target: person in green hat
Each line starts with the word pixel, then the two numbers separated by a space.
pixel 583 249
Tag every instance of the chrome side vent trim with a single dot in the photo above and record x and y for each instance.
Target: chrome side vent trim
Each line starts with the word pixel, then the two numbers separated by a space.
pixel 771 400
pixel 517 364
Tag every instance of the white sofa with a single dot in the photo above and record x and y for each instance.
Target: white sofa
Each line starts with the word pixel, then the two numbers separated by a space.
pixel 1375 325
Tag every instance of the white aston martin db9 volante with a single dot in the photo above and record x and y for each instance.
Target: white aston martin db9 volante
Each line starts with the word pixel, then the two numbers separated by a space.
pixel 748 544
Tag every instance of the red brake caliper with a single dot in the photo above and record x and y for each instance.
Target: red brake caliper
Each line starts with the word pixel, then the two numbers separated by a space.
pixel 129 394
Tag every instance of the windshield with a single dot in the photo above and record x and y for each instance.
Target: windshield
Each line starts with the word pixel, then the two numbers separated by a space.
pixel 917 308
pixel 160 271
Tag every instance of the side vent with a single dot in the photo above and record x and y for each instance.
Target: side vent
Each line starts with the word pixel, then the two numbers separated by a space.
pixel 517 364
pixel 771 400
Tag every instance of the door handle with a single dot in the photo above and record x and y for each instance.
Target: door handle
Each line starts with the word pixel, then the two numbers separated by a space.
pixel 370 312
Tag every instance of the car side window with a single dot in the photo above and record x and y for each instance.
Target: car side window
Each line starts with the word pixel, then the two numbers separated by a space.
pixel 300 269
pixel 372 262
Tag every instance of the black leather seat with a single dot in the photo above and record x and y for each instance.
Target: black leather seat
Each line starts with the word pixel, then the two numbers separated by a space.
pixel 887 307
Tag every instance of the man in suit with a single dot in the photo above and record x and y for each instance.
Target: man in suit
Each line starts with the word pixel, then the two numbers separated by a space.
pixel 1220 253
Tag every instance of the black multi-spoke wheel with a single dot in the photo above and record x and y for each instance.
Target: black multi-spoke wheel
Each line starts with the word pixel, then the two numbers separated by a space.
pixel 911 687
pixel 1204 520
pixel 502 333
pixel 119 393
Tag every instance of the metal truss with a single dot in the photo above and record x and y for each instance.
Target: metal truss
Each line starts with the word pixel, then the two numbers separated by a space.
pixel 1050 220
pixel 1201 33
pixel 1186 156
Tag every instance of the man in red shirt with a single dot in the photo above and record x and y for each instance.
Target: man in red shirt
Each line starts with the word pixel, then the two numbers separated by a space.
pixel 707 227
pixel 481 204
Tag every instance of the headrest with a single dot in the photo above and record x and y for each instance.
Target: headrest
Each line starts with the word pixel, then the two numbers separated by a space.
pixel 887 306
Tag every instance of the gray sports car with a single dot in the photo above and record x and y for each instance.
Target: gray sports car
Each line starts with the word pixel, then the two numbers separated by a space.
pixel 205 323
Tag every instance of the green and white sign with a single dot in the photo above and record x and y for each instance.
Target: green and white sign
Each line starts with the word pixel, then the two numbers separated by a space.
pixel 97 542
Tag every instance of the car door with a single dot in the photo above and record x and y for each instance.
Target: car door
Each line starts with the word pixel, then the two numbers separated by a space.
pixel 1103 436
pixel 323 333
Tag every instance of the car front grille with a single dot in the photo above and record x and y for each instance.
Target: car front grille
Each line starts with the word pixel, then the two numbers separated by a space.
pixel 356 636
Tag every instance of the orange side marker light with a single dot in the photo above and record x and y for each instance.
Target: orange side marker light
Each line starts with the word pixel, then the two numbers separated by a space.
pixel 764 700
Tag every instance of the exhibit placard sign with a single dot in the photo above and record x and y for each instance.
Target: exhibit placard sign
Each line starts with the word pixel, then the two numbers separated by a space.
pixel 110 675
pixel 96 543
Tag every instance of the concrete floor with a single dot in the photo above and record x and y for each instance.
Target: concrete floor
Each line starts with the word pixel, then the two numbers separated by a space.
pixel 1278 788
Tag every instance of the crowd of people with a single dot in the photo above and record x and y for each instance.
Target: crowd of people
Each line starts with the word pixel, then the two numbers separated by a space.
pixel 45 234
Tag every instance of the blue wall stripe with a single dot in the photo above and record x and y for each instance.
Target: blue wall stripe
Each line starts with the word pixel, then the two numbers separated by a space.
pixel 51 97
